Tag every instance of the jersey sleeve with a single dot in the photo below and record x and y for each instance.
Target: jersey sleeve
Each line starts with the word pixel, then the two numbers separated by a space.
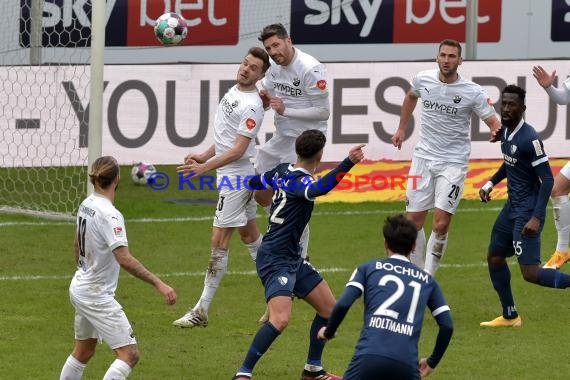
pixel 113 231
pixel 316 82
pixel 416 85
pixel 251 120
pixel 483 107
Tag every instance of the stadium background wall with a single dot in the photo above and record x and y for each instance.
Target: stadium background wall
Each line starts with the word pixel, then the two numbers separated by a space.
pixel 158 113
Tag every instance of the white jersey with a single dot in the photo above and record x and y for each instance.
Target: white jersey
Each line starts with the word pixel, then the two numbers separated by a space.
pixel 239 113
pixel 301 84
pixel 100 229
pixel 566 84
pixel 446 116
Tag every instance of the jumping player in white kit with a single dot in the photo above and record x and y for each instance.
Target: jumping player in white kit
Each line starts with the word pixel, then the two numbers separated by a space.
pixel 238 119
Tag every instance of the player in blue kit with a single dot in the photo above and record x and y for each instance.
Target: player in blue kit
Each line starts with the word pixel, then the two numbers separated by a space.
pixel 396 293
pixel 520 222
pixel 280 266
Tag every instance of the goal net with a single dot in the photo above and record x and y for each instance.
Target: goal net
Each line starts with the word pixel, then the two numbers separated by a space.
pixel 44 96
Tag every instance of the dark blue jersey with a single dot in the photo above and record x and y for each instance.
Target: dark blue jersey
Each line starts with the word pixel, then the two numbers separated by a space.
pixel 396 293
pixel 526 167
pixel 294 193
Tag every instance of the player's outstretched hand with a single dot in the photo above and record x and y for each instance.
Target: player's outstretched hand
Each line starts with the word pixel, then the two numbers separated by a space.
pixel 425 369
pixel 542 77
pixel 356 154
pixel 485 192
pixel 191 166
pixel 398 139
pixel 321 334
pixel 167 292
pixel 495 135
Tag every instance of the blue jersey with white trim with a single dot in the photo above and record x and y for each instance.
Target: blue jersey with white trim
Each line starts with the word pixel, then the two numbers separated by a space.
pixel 396 293
pixel 294 194
pixel 524 157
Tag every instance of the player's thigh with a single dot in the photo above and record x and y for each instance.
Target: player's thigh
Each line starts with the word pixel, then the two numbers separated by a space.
pixel 231 210
pixel 449 185
pixel 420 192
pixel 277 274
pixel 107 320
pixel 526 248
pixel 308 278
pixel 501 242
pixel 374 367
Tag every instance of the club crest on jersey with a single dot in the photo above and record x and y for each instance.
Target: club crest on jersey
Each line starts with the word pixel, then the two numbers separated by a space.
pixel 250 123
pixel 457 99
pixel 513 149
pixel 296 82
pixel 282 280
pixel 322 84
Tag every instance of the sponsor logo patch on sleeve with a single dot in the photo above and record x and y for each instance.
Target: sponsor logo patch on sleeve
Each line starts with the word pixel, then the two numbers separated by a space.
pixel 322 84
pixel 250 123
pixel 118 231
pixel 537 147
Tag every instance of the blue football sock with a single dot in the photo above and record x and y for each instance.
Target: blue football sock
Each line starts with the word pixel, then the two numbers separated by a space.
pixel 316 346
pixel 501 279
pixel 553 278
pixel 261 342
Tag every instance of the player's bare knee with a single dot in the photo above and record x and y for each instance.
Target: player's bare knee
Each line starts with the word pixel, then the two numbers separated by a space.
pixel 130 355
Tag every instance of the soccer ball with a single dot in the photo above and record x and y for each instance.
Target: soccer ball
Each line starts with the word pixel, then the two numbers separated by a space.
pixel 140 173
pixel 170 28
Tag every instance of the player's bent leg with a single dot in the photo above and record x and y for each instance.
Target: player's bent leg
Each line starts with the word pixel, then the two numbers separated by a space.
pixel 76 362
pixel 561 213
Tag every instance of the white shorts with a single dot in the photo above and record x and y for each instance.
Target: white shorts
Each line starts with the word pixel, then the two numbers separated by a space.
pixel 235 207
pixel 436 184
pixel 565 171
pixel 278 150
pixel 102 319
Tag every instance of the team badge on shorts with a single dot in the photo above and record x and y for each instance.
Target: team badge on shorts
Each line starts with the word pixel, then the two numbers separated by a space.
pixel 283 280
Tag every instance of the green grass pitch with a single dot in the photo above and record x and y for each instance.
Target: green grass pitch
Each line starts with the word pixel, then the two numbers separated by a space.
pixel 173 238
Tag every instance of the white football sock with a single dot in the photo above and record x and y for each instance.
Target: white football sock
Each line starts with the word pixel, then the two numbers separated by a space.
pixel 417 255
pixel 561 211
pixel 216 270
pixel 119 370
pixel 434 252
pixel 304 242
pixel 254 246
pixel 72 369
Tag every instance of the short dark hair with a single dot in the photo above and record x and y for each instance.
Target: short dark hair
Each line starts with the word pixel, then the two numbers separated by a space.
pixel 514 89
pixel 450 42
pixel 309 143
pixel 400 234
pixel 273 30
pixel 258 52
pixel 104 171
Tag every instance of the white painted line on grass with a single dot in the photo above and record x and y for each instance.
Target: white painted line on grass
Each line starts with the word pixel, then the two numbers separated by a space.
pixel 201 274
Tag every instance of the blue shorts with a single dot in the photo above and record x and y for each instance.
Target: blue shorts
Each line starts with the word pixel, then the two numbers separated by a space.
pixel 374 367
pixel 507 240
pixel 286 276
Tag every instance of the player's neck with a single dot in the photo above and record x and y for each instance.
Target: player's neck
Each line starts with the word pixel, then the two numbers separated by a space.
pixel 243 88
pixel 309 166
pixel 450 78
pixel 108 193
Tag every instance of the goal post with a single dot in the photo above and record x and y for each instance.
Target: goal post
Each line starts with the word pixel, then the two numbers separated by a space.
pixel 51 85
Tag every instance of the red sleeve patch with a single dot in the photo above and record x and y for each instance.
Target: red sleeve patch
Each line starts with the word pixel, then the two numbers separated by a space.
pixel 322 84
pixel 250 123
pixel 118 231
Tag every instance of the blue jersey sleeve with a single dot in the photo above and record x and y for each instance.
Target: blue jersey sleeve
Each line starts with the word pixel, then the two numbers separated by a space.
pixel 500 175
pixel 325 184
pixel 340 309
pixel 442 314
pixel 543 172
